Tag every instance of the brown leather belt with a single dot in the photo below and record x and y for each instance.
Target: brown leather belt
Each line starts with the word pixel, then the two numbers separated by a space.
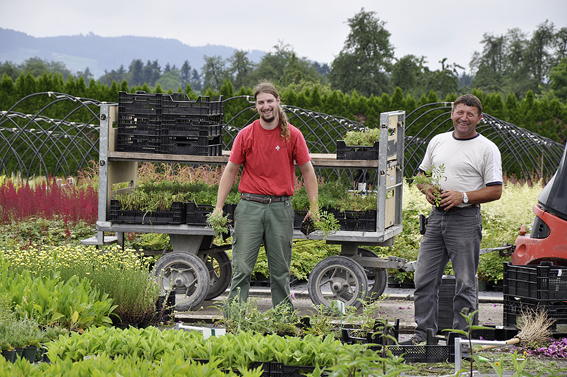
pixel 265 199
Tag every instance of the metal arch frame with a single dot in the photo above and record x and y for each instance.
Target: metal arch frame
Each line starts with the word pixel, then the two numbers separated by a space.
pixel 518 146
pixel 331 128
pixel 28 137
pixel 297 113
pixel 535 156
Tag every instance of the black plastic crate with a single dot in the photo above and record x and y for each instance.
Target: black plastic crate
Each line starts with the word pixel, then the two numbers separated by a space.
pixel 274 369
pixel 140 104
pixel 175 215
pixel 197 214
pixel 422 354
pixel 361 152
pixel 190 146
pixel 362 221
pixel 190 128
pixel 532 283
pixel 513 309
pixel 147 121
pixel 134 142
pixel 180 105
pixel 347 152
pixel 141 126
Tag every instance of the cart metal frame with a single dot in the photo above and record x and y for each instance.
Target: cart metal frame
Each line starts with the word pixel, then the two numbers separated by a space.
pixel 342 282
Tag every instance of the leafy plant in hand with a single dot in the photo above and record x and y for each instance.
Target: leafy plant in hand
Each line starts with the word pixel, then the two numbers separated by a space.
pixel 322 221
pixel 432 179
pixel 218 222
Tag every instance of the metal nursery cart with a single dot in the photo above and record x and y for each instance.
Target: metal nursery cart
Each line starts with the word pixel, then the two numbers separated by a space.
pixel 198 270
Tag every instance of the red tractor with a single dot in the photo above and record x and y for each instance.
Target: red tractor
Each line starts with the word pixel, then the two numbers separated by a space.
pixel 548 238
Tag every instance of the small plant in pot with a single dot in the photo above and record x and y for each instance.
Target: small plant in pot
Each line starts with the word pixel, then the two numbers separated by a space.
pixel 432 178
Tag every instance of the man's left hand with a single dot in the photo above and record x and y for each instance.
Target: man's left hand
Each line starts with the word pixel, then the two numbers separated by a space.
pixel 450 199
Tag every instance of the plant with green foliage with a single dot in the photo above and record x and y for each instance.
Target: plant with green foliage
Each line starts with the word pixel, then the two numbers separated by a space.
pixel 432 179
pixel 362 138
pixel 358 360
pixel 74 303
pixel 122 276
pixel 245 316
pixel 469 317
pixel 218 222
pixel 104 365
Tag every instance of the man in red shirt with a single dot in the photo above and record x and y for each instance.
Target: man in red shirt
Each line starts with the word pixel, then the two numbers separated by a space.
pixel 268 150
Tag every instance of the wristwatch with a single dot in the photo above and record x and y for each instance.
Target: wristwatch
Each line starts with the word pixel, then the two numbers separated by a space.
pixel 465 198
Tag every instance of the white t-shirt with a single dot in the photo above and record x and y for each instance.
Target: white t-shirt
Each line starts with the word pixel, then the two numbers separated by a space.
pixel 470 164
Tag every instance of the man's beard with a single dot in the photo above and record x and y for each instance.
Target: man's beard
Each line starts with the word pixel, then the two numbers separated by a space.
pixel 269 119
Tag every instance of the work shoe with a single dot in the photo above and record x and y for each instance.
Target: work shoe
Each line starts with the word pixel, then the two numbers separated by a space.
pixel 413 341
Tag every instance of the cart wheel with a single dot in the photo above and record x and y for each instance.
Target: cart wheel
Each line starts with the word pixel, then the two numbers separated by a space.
pixel 185 274
pixel 377 277
pixel 338 278
pixel 220 270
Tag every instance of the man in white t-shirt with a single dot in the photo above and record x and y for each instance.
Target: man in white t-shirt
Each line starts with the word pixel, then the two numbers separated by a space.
pixel 472 175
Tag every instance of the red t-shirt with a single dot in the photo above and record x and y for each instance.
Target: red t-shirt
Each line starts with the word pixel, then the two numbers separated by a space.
pixel 267 159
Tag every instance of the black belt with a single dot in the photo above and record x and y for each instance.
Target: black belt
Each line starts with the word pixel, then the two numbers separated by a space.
pixel 442 209
pixel 265 199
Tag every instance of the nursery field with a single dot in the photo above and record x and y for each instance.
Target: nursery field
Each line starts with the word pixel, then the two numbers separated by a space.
pixel 72 302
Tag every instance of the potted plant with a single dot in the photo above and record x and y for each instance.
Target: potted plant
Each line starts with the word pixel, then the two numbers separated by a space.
pixel 359 145
pixel 8 351
pixel 7 333
pixel 362 138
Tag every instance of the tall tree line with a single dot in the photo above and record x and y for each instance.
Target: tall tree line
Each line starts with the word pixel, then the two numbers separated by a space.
pixel 516 62
pixel 542 115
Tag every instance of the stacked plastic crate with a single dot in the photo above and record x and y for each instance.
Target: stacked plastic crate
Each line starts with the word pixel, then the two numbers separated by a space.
pixel 535 288
pixel 169 124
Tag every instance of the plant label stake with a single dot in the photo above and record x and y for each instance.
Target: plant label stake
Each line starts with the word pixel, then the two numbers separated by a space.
pixel 341 306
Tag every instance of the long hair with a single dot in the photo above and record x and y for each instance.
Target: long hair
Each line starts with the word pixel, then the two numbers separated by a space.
pixel 268 87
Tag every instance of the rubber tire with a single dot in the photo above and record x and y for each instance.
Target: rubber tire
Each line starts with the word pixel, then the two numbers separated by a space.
pixel 221 276
pixel 343 270
pixel 196 278
pixel 379 275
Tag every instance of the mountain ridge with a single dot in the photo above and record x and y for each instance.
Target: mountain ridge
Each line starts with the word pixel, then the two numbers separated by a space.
pixel 99 53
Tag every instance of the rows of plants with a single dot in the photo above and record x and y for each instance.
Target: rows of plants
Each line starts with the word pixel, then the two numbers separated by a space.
pixel 250 340
pixel 88 281
pixel 502 219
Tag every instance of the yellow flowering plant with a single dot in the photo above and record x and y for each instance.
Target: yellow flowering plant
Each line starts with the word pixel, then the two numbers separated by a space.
pixel 123 275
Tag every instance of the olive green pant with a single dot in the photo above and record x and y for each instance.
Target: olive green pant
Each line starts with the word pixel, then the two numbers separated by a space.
pixel 256 224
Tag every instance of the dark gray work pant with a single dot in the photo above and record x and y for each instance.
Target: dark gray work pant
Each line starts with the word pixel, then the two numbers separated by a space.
pixel 454 236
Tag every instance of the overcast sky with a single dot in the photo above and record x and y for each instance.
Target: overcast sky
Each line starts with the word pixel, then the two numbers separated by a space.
pixel 315 29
